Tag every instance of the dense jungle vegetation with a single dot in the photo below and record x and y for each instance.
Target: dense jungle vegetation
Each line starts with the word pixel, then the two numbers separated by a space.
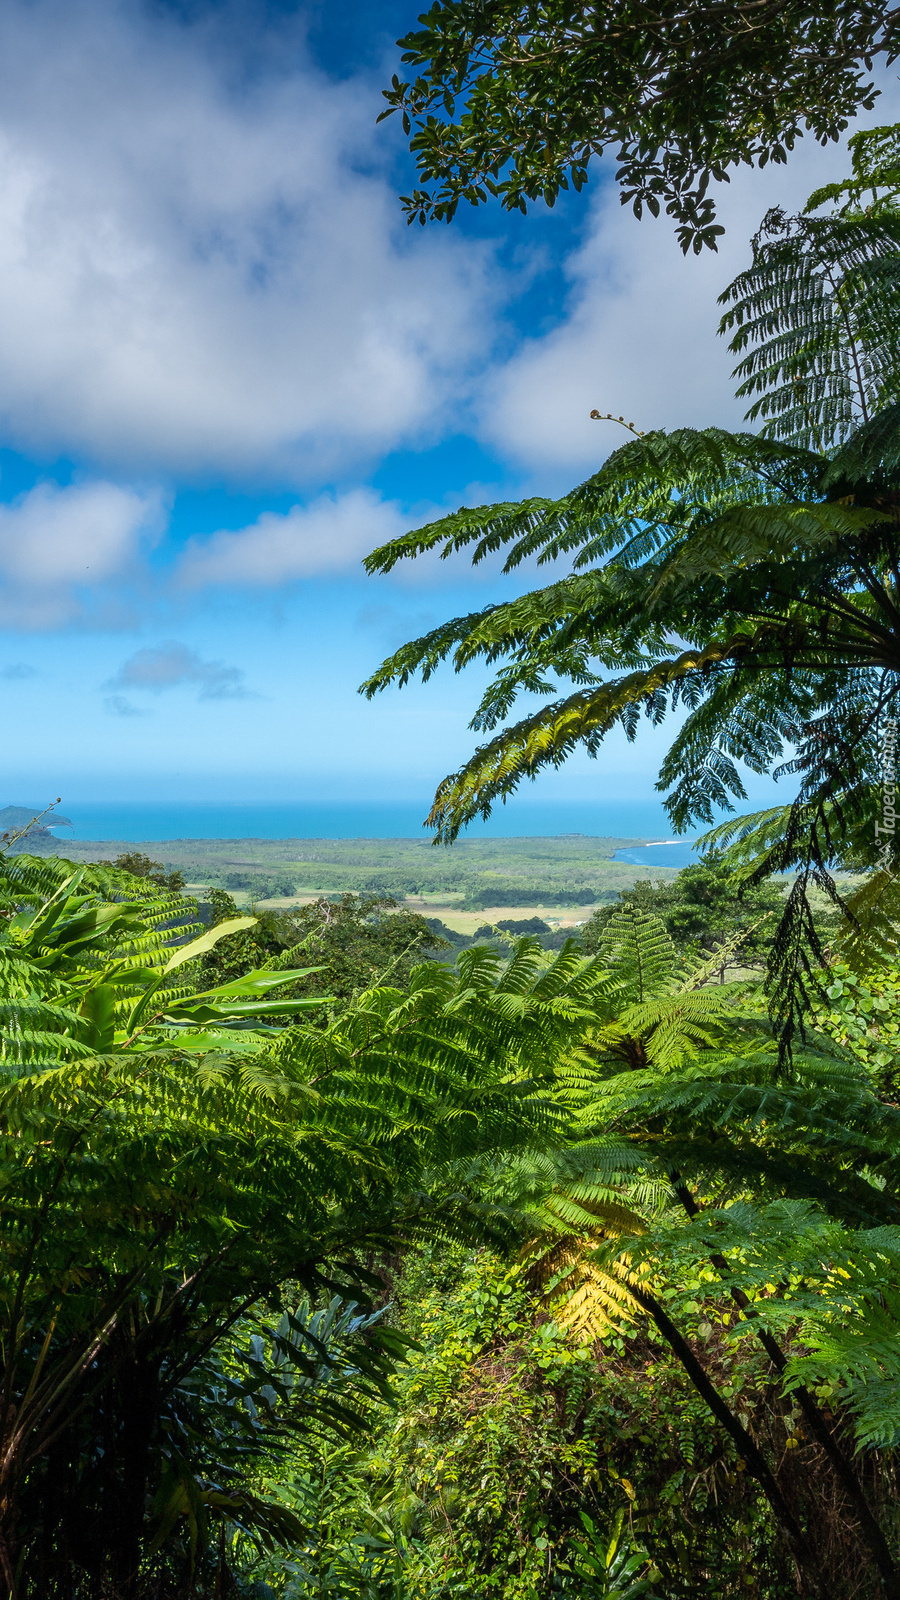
pixel 330 1268
pixel 536 1274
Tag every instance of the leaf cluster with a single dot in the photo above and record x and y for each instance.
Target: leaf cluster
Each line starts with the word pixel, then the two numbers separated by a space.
pixel 816 317
pixel 704 909
pixel 140 865
pixel 352 943
pixel 512 1453
pixel 513 99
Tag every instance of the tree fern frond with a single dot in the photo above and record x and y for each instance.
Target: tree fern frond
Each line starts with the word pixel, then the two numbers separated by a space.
pixel 752 580
pixel 586 1300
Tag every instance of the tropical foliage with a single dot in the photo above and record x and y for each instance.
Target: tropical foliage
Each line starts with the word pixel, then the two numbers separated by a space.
pixel 706 1171
pixel 815 317
pixel 355 941
pixel 513 98
pixel 140 865
pixel 177 1167
pixel 206 1202
pixel 512 1454
pixel 696 1174
pixel 704 910
pixel 748 580
pixel 377 1277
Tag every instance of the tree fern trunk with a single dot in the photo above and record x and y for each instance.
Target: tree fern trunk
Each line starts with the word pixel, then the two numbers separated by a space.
pixel 870 1529
pixel 747 1448
pixel 125 1487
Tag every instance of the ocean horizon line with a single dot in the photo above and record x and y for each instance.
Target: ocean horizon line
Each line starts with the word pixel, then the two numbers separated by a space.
pixel 636 827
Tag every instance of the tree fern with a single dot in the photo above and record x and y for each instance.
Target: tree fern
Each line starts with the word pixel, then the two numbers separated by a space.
pixel 818 312
pixel 169 1163
pixel 701 1166
pixel 752 582
pixel 839 1290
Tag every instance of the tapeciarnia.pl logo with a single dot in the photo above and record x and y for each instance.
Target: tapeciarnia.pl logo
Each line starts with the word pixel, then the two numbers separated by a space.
pixel 887 827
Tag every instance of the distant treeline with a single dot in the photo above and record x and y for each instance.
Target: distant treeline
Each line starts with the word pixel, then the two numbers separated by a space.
pixel 498 892
pixel 475 875
pixel 536 894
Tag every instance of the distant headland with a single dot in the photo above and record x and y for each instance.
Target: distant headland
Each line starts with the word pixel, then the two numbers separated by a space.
pixel 12 818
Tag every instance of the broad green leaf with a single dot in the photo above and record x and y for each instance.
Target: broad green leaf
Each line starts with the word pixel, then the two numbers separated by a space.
pixel 99 1009
pixel 202 1011
pixel 252 982
pixel 232 1040
pixel 208 941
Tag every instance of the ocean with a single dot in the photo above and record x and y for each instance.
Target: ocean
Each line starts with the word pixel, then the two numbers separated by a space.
pixel 154 822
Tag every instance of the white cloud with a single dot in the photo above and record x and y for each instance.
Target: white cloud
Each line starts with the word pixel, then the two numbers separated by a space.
pixel 55 543
pixel 81 534
pixel 169 666
pixel 328 535
pixel 202 268
pixel 640 336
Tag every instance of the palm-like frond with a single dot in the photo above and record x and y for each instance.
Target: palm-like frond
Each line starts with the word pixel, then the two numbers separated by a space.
pixel 730 534
pixel 584 1298
pixel 711 1110
pixel 871 936
pixel 647 1019
pixel 167 1161
pixel 753 581
pixel 816 318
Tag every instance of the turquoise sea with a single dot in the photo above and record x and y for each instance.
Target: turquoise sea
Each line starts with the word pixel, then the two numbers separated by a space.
pixel 157 821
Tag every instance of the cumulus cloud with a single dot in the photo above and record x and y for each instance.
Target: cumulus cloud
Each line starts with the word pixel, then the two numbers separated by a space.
pixel 203 268
pixel 57 542
pixel 331 534
pixel 171 665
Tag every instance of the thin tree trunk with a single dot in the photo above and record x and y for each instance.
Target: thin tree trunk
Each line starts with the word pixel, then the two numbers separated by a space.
pixel 870 1529
pixel 744 1443
pixel 136 1402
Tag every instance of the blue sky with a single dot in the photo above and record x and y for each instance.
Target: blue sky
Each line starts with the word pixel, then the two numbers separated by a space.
pixel 228 369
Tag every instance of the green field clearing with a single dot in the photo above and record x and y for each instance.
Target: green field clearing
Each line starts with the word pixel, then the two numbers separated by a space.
pixel 561 879
pixel 468 922
pixel 473 874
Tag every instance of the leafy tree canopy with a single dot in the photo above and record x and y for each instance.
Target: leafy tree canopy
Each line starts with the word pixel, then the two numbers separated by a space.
pixel 703 909
pixel 512 98
pixel 514 925
pixel 353 943
pixel 140 865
